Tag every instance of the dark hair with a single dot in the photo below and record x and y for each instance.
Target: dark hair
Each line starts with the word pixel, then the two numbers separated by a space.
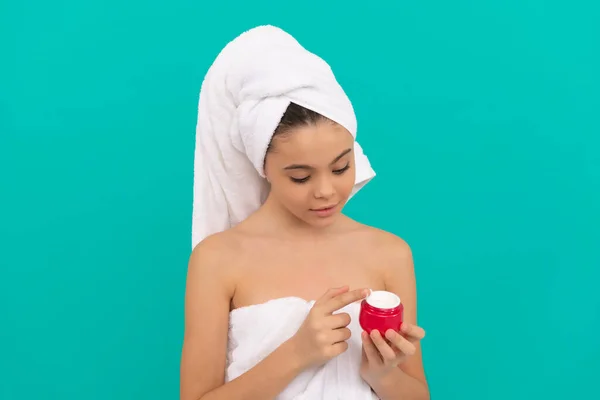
pixel 295 116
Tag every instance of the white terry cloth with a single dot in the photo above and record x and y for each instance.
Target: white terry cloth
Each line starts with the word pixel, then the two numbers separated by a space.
pixel 257 330
pixel 242 99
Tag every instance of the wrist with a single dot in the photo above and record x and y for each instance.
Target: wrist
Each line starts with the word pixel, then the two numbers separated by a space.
pixel 397 384
pixel 294 356
pixel 382 380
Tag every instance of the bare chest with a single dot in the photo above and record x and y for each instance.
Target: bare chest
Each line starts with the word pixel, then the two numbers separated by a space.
pixel 303 270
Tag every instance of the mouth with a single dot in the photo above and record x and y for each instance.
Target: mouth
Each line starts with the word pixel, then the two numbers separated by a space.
pixel 326 208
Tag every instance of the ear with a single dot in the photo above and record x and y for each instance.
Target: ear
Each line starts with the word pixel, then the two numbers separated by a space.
pixel 265 172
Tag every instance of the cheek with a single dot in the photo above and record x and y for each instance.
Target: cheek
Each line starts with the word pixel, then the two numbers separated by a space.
pixel 345 185
pixel 296 196
pixel 291 194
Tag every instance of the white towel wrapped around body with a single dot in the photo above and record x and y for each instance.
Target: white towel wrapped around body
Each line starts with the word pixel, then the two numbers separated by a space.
pixel 243 97
pixel 257 330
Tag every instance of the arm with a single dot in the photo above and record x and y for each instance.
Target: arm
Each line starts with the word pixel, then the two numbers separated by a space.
pixel 209 289
pixel 407 381
pixel 399 385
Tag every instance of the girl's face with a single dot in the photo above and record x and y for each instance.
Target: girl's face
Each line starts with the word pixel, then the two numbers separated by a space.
pixel 311 171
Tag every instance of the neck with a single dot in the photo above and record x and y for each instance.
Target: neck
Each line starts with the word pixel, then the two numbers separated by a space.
pixel 277 219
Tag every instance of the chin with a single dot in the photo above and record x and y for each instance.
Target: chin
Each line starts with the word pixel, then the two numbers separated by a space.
pixel 321 222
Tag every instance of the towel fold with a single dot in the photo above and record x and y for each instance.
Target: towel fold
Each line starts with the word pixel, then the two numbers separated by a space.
pixel 242 99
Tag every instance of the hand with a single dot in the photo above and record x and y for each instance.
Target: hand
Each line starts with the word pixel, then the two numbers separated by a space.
pixel 381 356
pixel 323 334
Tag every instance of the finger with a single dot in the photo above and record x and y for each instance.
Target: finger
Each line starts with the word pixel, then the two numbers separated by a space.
pixel 340 335
pixel 370 350
pixel 387 353
pixel 339 320
pixel 337 349
pixel 343 299
pixel 330 293
pixel 412 332
pixel 401 343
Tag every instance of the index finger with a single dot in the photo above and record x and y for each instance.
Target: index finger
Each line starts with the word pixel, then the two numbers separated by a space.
pixel 332 293
pixel 343 299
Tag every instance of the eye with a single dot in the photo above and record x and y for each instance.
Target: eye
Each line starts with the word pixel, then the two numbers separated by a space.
pixel 341 170
pixel 299 180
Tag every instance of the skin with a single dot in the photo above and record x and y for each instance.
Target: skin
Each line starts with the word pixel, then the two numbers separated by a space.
pixel 286 249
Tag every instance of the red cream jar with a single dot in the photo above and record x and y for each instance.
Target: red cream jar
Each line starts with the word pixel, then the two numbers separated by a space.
pixel 381 310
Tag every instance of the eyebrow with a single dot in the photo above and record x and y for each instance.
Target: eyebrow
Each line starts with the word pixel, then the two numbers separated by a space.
pixel 304 166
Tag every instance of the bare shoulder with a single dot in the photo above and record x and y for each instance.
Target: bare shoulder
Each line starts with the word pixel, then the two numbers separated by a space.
pixel 210 286
pixel 215 250
pixel 210 275
pixel 395 245
pixel 393 253
pixel 217 255
pixel 397 264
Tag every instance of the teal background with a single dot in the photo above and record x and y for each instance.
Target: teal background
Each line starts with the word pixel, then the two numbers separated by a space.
pixel 481 119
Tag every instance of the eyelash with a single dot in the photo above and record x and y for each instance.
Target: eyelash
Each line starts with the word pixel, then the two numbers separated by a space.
pixel 335 171
pixel 341 170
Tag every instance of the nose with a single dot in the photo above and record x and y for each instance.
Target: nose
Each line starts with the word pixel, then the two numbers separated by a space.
pixel 324 189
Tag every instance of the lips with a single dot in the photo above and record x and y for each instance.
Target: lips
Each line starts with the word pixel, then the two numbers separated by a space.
pixel 325 212
pixel 323 208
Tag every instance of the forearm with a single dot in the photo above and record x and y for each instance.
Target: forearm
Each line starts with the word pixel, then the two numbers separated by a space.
pixel 264 381
pixel 398 385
